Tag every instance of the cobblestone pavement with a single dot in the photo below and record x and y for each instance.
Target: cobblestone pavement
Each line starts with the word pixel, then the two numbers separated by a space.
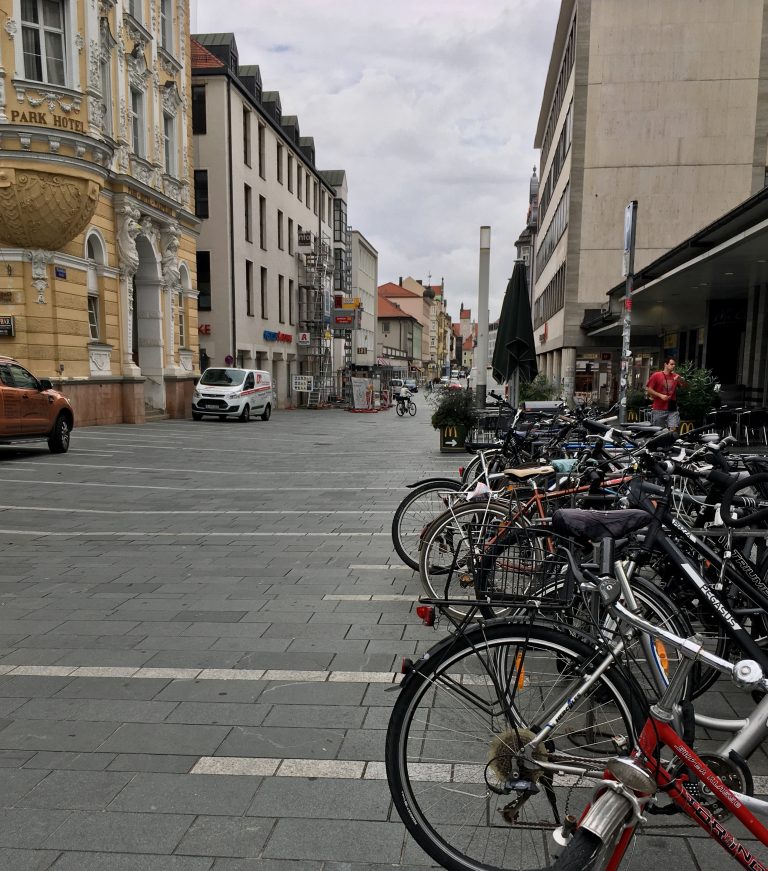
pixel 198 625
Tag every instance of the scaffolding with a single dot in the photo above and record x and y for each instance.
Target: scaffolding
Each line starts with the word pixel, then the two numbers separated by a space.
pixel 316 258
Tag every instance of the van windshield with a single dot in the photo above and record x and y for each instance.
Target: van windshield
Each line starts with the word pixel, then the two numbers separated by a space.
pixel 222 377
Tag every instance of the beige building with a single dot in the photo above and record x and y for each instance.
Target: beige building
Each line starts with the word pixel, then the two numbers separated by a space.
pixel 365 280
pixel 265 254
pixel 663 103
pixel 97 230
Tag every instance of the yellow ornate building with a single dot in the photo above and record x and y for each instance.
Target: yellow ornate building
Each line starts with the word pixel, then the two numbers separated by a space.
pixel 97 226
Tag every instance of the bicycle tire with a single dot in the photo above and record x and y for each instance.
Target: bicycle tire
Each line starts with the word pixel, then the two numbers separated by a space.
pixel 414 513
pixel 400 410
pixel 446 741
pixel 581 853
pixel 443 568
pixel 412 409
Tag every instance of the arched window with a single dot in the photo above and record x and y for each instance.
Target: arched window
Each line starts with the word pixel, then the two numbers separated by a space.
pixel 94 253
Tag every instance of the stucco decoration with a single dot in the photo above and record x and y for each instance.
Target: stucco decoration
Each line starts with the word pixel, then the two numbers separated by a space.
pixel 40 260
pixel 128 228
pixel 171 98
pixel 138 71
pixel 55 100
pixel 11 27
pixel 169 242
pixel 43 209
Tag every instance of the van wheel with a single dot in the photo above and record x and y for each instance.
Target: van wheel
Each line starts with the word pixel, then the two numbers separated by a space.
pixel 245 414
pixel 196 415
pixel 267 413
pixel 58 442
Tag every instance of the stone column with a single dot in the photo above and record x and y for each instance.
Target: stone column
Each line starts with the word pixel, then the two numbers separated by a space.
pixel 128 229
pixel 568 373
pixel 169 253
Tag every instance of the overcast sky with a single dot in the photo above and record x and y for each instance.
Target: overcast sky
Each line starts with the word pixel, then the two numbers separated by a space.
pixel 429 105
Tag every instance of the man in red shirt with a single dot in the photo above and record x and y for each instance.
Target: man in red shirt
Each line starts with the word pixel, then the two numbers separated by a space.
pixel 662 387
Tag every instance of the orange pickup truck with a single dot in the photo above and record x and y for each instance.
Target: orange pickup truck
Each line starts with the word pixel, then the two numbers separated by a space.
pixel 31 410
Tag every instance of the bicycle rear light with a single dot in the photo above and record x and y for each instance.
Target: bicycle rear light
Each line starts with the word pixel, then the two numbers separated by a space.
pixel 461 471
pixel 406 666
pixel 426 613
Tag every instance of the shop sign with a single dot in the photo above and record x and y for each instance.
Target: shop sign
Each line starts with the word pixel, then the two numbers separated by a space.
pixel 59 272
pixel 362 351
pixel 270 336
pixel 302 338
pixel 302 383
pixel 62 123
pixel 7 325
pixel 203 329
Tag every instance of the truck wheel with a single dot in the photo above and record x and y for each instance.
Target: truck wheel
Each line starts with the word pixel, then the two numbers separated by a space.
pixel 58 441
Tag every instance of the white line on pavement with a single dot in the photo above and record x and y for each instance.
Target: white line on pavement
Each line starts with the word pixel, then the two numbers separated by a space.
pixel 227 489
pixel 176 511
pixel 239 472
pixel 95 533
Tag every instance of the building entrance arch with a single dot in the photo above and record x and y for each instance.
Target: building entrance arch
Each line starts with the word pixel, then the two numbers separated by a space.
pixel 148 345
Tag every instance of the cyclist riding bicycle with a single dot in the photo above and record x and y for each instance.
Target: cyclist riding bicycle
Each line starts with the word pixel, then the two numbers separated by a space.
pixel 404 396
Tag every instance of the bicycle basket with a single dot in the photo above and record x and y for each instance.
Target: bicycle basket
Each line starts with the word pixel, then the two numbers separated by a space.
pixel 518 565
pixel 491 426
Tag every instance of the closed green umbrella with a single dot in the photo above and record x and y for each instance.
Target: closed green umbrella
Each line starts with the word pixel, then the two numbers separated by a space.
pixel 514 354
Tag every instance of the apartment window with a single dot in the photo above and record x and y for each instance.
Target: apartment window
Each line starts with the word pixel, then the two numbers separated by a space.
pixel 280 163
pixel 290 173
pixel 290 301
pixel 314 199
pixel 134 7
pixel 246 136
pixel 169 143
pixel 279 229
pixel 306 188
pixel 385 326
pixel 182 322
pixel 249 288
pixel 201 193
pixel 204 280
pixel 138 123
pixel 322 203
pixel 299 186
pixel 290 235
pixel 248 215
pixel 263 223
pixel 339 220
pixel 262 135
pixel 264 292
pixel 330 210
pixel 338 269
pixel 93 316
pixel 166 25
pixel 43 40
pixel 280 300
pixel 198 109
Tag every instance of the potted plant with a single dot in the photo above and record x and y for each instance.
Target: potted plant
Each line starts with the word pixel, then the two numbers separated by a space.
pixel 697 395
pixel 540 389
pixel 453 415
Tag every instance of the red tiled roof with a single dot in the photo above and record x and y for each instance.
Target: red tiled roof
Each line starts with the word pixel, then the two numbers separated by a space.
pixel 456 329
pixel 391 289
pixel 388 309
pixel 202 59
pixel 465 314
pixel 468 343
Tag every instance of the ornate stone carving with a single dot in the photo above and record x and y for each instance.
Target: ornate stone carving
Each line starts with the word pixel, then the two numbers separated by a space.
pixel 138 72
pixel 148 229
pixel 100 359
pixel 97 112
pixel 66 102
pixel 94 66
pixel 79 42
pixel 40 260
pixel 128 228
pixel 43 209
pixel 123 158
pixel 171 98
pixel 11 27
pixel 169 245
pixel 106 6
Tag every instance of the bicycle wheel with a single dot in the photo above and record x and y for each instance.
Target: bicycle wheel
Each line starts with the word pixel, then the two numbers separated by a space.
pixel 444 567
pixel 400 409
pixel 412 409
pixel 453 750
pixel 417 510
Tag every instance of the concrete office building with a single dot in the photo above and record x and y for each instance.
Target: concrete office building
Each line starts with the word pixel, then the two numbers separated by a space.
pixel 265 259
pixel 365 274
pixel 97 232
pixel 663 103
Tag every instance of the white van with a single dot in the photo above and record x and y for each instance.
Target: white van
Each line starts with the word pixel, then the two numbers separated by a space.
pixel 225 392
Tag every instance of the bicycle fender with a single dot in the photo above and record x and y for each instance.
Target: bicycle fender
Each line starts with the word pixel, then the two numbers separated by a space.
pixel 448 481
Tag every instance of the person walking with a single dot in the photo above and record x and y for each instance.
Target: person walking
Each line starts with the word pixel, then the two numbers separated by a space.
pixel 662 388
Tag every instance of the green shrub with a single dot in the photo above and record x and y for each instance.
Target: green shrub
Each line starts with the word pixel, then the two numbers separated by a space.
pixel 453 408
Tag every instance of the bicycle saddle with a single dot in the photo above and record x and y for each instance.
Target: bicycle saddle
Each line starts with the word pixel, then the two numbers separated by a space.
pixel 595 525
pixel 528 472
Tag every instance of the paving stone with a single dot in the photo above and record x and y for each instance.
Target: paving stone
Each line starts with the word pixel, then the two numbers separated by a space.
pixel 112 688
pixel 266 865
pixel 286 660
pixel 115 862
pixel 335 841
pixel 163 738
pixel 158 763
pixel 75 790
pixel 28 829
pixel 280 742
pixel 319 716
pixel 96 710
pixel 16 783
pixel 220 713
pixel 227 836
pixel 57 760
pixel 119 832
pixel 313 693
pixel 26 860
pixel 321 798
pixel 45 735
pixel 187 794
pixel 241 691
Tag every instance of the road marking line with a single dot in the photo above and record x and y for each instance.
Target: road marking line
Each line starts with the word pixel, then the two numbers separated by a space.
pixel 247 674
pixel 205 534
pixel 282 489
pixel 362 597
pixel 215 511
pixel 379 567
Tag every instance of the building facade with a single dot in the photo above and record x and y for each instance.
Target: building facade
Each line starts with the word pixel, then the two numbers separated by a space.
pixel 97 228
pixel 663 103
pixel 265 255
pixel 365 281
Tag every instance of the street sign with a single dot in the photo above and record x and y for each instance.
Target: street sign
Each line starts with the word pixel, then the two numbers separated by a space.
pixel 7 325
pixel 302 383
pixel 302 338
